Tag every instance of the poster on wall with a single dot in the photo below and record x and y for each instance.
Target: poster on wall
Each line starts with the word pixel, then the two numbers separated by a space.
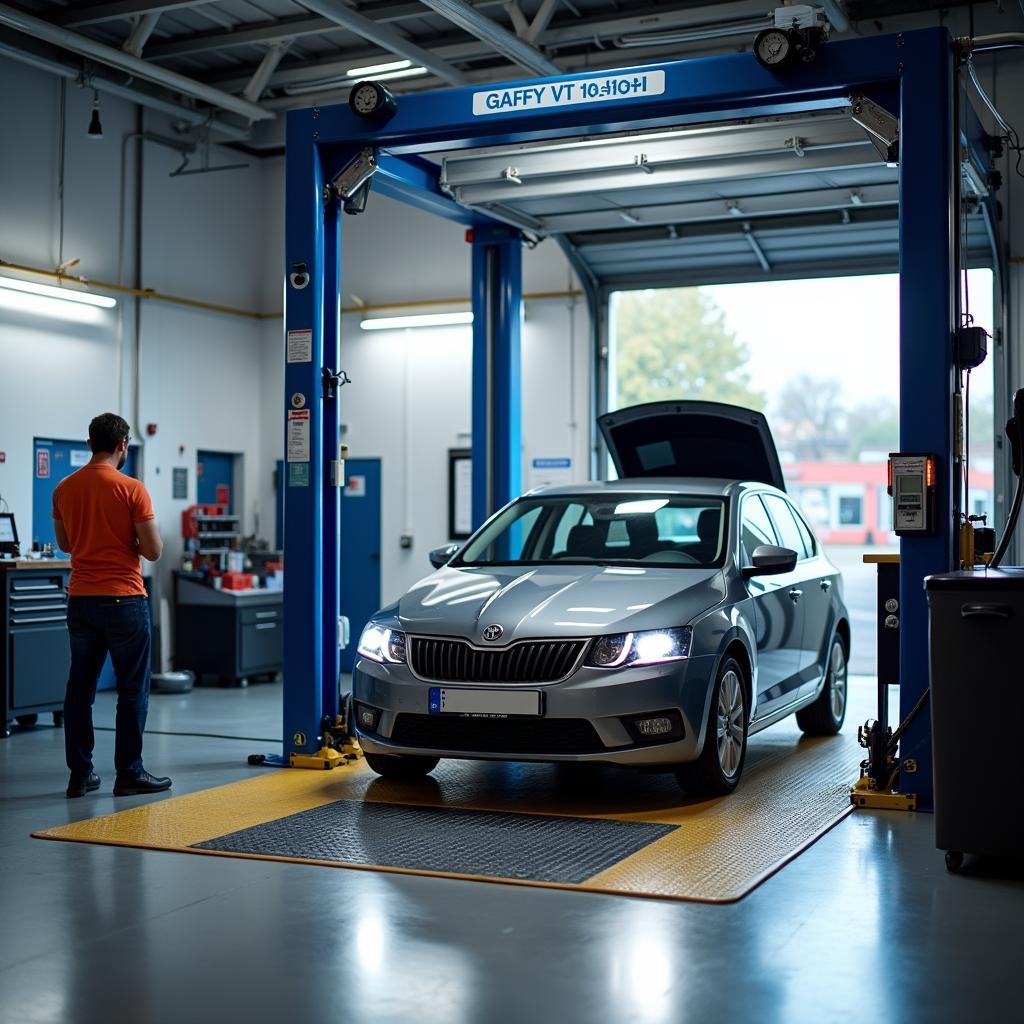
pixel 460 493
pixel 549 473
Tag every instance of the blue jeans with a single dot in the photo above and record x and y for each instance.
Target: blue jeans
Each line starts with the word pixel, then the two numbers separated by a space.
pixel 98 626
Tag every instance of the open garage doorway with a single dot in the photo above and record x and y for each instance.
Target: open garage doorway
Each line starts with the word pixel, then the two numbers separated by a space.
pixel 821 359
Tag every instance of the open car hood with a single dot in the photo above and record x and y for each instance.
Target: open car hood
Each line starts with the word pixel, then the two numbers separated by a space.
pixel 692 439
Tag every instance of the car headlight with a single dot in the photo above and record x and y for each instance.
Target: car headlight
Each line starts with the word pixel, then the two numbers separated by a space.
pixel 378 643
pixel 651 647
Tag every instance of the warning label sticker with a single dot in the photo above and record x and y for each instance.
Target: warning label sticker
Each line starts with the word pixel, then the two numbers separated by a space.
pixel 300 346
pixel 298 435
pixel 298 474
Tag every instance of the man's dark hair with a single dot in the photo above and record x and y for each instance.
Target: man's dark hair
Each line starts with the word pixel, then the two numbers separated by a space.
pixel 107 431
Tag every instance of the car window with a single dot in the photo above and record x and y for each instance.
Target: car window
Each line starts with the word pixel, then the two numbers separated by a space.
pixel 572 515
pixel 810 544
pixel 785 525
pixel 755 527
pixel 648 529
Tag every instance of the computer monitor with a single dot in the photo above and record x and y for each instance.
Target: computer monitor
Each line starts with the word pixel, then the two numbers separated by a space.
pixel 8 534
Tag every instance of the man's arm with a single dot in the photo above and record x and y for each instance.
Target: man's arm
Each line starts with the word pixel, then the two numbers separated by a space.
pixel 147 536
pixel 62 536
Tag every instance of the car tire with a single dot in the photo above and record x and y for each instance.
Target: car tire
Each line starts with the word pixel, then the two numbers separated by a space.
pixel 826 715
pixel 718 769
pixel 396 766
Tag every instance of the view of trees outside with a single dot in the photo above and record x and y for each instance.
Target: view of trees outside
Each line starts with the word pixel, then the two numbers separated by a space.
pixel 821 359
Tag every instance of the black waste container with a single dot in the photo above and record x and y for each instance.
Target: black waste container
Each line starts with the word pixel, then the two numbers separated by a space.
pixel 976 639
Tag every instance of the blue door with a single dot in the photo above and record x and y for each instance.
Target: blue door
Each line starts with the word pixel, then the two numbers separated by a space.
pixel 360 550
pixel 52 461
pixel 215 471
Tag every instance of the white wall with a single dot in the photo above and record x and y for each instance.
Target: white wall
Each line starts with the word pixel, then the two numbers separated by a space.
pixel 202 237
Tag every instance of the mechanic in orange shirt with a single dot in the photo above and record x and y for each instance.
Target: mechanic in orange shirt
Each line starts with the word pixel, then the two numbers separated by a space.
pixel 105 519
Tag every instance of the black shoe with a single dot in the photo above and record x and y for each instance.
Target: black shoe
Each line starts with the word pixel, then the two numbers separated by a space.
pixel 137 785
pixel 79 785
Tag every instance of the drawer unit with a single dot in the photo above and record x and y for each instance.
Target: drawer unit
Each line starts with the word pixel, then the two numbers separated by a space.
pixel 231 636
pixel 36 654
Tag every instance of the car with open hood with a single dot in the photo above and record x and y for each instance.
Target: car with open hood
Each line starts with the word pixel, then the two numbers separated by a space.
pixel 654 621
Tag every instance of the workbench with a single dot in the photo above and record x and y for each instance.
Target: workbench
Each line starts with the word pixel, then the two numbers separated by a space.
pixel 232 634
pixel 36 654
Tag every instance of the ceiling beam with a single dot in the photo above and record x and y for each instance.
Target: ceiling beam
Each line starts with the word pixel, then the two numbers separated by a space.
pixel 115 10
pixel 140 33
pixel 569 34
pixel 385 36
pixel 258 83
pixel 496 36
pixel 114 58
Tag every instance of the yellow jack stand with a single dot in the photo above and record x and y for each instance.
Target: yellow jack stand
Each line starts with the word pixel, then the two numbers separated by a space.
pixel 864 794
pixel 339 748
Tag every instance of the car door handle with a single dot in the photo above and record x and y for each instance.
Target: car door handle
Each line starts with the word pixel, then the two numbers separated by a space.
pixel 795 595
pixel 826 585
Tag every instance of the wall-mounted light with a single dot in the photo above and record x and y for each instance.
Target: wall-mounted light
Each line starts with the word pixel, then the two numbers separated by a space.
pixel 400 323
pixel 95 128
pixel 64 294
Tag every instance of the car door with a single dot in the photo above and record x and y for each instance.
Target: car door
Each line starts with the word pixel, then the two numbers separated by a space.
pixel 778 611
pixel 817 578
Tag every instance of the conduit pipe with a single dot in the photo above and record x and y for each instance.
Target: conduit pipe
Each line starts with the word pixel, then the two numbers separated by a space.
pixel 109 55
pixel 214 307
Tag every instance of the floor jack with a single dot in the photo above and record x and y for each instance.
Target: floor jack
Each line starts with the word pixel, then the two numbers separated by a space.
pixel 338 745
pixel 880 770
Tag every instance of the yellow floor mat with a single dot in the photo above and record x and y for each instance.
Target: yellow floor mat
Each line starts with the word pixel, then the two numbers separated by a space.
pixel 793 790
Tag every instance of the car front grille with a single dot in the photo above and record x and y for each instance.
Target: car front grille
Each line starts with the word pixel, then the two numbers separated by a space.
pixel 531 661
pixel 496 736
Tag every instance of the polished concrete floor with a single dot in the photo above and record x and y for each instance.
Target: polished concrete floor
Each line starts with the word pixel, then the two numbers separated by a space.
pixel 865 924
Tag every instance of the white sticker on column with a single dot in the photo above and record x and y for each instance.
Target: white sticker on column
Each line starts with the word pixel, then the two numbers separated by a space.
pixel 300 346
pixel 298 435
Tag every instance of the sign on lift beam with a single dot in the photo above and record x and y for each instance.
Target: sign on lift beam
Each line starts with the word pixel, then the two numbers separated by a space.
pixel 570 93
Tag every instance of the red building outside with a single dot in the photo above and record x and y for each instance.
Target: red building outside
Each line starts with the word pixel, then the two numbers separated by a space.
pixel 848 503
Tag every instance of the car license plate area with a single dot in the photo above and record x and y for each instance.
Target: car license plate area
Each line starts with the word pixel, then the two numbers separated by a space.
pixel 447 700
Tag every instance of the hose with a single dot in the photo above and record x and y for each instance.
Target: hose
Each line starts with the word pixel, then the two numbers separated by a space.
pixel 1011 525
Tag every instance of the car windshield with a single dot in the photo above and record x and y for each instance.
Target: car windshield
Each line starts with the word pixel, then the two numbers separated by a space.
pixel 676 530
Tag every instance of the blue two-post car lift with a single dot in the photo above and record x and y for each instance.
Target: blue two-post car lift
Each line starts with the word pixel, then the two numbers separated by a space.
pixel 912 75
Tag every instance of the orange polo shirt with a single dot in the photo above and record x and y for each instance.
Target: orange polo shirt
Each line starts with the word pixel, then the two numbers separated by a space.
pixel 99 507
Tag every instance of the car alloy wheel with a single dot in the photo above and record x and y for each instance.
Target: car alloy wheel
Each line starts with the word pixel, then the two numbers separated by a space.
pixel 837 668
pixel 730 724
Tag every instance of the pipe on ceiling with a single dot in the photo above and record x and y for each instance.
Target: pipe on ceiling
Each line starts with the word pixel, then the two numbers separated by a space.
pixel 124 92
pixel 103 54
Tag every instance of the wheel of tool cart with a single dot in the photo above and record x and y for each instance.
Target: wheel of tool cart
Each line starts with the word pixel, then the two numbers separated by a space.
pixel 27 720
pixel 954 861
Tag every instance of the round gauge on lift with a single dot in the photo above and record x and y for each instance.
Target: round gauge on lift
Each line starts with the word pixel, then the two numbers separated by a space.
pixel 372 101
pixel 773 48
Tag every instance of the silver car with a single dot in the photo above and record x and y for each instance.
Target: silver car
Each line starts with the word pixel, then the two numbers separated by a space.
pixel 656 621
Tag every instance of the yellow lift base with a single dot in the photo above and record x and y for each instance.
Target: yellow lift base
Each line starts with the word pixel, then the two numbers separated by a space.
pixel 596 830
pixel 865 795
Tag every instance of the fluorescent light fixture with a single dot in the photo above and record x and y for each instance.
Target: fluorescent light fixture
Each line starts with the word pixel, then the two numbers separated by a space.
pixel 399 323
pixel 638 508
pixel 388 75
pixel 50 292
pixel 346 80
pixel 376 69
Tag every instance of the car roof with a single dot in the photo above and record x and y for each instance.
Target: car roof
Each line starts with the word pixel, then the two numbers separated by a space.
pixel 654 485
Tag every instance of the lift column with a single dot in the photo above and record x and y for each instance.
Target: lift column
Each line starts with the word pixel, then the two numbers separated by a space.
pixel 311 434
pixel 497 390
pixel 929 203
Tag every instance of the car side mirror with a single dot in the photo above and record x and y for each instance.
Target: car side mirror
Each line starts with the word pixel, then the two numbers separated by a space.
pixel 440 557
pixel 770 560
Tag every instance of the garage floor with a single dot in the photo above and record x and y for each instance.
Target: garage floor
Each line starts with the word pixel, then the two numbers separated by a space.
pixel 866 918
